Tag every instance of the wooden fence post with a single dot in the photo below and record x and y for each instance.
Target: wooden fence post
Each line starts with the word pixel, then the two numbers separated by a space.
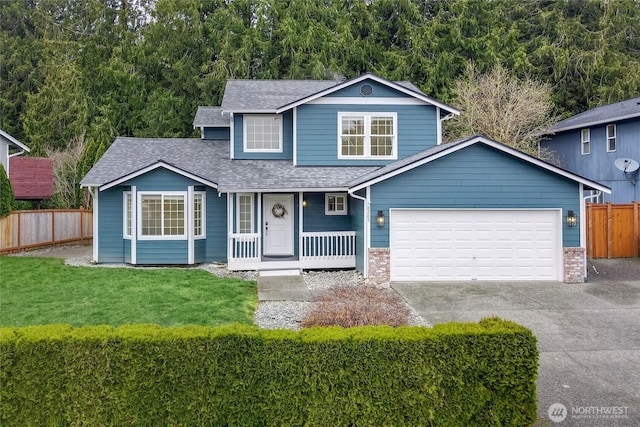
pixel 81 225
pixel 609 237
pixel 636 231
pixel 19 229
pixel 53 226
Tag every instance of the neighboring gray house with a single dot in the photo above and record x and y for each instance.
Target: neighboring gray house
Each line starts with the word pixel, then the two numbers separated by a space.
pixel 297 174
pixel 590 143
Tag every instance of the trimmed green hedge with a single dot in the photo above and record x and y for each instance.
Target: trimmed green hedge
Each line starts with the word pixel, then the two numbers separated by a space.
pixel 452 374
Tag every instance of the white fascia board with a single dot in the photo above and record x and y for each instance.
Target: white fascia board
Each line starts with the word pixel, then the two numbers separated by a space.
pixel 490 143
pixel 153 167
pixel 375 78
pixel 345 100
pixel 610 120
pixel 254 111
pixel 13 141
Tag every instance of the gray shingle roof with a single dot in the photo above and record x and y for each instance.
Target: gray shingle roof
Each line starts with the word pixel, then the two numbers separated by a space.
pixel 211 117
pixel 599 115
pixel 210 161
pixel 267 95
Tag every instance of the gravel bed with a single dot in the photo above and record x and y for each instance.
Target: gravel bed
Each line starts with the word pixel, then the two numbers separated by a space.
pixel 289 314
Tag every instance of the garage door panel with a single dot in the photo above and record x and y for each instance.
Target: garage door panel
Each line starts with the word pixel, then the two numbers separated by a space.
pixel 474 244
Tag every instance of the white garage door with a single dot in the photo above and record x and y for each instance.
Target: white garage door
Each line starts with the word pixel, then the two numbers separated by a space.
pixel 475 244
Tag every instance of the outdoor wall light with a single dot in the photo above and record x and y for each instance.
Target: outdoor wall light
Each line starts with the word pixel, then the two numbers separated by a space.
pixel 304 203
pixel 380 219
pixel 572 219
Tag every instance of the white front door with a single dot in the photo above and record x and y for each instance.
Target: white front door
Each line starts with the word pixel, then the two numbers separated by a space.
pixel 278 224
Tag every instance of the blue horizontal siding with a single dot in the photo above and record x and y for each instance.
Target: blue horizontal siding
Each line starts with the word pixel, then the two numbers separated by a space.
pixel 162 252
pixel 111 244
pixel 216 242
pixel 317 136
pixel 316 220
pixel 598 165
pixel 287 140
pixel 379 91
pixel 217 133
pixel 475 177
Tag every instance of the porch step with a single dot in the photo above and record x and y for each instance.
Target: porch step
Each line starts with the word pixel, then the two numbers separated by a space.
pixel 280 272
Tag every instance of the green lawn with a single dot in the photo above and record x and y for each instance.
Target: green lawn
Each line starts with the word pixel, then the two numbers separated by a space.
pixel 36 291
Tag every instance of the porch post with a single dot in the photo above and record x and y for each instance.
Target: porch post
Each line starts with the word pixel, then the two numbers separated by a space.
pixel 300 225
pixel 134 224
pixel 230 197
pixel 190 225
pixel 259 226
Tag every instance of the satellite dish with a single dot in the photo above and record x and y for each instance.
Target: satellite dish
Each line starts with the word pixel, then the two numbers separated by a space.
pixel 627 165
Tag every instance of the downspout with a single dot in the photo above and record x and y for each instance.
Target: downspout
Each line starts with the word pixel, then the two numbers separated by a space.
pixel 439 125
pixel 10 156
pixel 365 227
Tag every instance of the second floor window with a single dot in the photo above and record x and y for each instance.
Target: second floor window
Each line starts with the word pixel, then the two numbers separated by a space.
pixel 263 133
pixel 586 141
pixel 367 135
pixel 611 138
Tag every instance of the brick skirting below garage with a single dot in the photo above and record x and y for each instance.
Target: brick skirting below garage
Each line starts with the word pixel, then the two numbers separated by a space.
pixel 380 270
pixel 379 266
pixel 573 263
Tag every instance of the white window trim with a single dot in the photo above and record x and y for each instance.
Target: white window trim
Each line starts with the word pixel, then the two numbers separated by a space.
pixel 253 225
pixel 609 138
pixel 187 211
pixel 204 216
pixel 336 212
pixel 367 137
pixel 261 150
pixel 127 215
pixel 583 141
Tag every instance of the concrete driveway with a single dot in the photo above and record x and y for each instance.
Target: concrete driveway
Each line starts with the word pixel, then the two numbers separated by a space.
pixel 588 338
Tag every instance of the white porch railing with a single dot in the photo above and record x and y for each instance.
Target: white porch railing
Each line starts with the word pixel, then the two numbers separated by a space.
pixel 332 245
pixel 244 247
pixel 328 249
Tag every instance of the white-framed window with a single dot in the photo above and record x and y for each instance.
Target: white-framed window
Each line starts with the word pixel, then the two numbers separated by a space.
pixel 585 141
pixel 127 206
pixel 367 135
pixel 611 138
pixel 162 215
pixel 199 214
pixel 262 133
pixel 335 204
pixel 245 213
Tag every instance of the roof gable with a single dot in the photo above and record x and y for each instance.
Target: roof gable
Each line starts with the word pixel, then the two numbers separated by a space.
pixel 160 164
pixel 402 87
pixel 439 151
pixel 604 114
pixel 12 141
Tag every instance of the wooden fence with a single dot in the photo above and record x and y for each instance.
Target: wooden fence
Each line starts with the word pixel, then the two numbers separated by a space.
pixel 29 229
pixel 613 231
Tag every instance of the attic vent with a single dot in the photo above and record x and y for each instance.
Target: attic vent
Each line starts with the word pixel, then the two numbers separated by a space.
pixel 366 90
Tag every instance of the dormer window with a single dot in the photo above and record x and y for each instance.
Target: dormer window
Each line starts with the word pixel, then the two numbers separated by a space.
pixel 263 133
pixel 367 135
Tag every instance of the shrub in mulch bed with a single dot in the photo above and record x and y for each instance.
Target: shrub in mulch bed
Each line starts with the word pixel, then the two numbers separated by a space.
pixel 350 306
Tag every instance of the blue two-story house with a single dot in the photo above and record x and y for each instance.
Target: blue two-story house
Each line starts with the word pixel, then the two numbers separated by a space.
pixel 301 174
pixel 602 144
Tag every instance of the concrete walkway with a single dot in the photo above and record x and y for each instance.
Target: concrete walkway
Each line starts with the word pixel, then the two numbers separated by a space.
pixel 283 288
pixel 588 338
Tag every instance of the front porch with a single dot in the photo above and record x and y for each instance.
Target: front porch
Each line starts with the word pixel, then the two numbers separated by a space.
pixel 317 250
